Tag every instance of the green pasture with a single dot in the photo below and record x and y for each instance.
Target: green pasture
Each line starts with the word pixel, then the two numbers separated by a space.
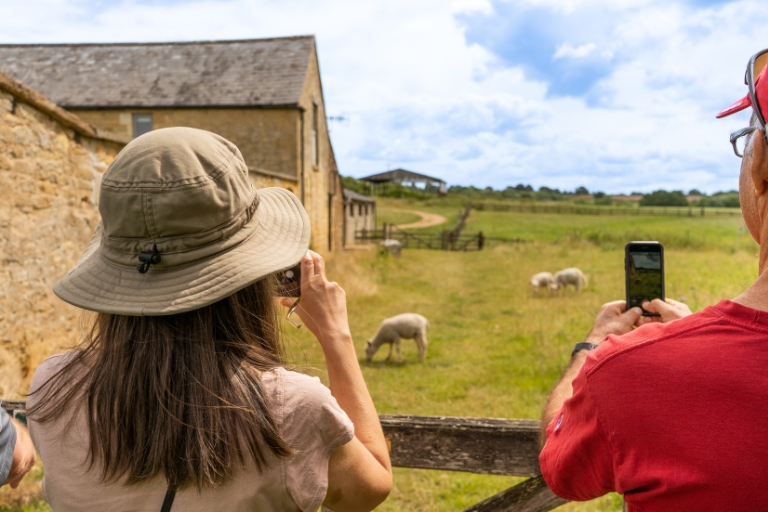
pixel 395 216
pixel 495 348
pixel 711 232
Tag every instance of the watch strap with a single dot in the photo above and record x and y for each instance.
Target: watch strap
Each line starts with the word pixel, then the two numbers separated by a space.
pixel 583 345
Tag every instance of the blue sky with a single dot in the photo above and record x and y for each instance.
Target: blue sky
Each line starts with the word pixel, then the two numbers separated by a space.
pixel 615 95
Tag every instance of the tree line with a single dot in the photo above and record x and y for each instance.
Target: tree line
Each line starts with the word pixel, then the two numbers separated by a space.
pixel 580 195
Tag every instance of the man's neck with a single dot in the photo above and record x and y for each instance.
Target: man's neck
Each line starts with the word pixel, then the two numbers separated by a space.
pixel 756 296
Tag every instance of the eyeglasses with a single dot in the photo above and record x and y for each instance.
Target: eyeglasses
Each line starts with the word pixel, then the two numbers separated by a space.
pixel 291 311
pixel 755 66
pixel 739 140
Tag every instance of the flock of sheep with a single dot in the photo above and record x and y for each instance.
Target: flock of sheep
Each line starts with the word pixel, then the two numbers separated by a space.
pixel 560 281
pixel 414 326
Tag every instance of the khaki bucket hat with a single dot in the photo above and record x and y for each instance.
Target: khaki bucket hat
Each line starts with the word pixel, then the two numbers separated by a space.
pixel 182 227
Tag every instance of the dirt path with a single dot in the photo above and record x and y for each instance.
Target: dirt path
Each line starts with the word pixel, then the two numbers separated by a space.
pixel 427 220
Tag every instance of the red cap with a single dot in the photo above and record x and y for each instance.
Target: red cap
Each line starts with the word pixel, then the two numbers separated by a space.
pixel 761 90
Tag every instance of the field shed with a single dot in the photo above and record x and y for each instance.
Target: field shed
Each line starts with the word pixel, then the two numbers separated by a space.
pixel 359 214
pixel 265 95
pixel 404 177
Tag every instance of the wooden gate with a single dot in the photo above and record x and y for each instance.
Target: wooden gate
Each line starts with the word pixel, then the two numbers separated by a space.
pixel 475 445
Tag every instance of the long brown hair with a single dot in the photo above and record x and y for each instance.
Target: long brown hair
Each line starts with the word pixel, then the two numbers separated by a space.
pixel 178 396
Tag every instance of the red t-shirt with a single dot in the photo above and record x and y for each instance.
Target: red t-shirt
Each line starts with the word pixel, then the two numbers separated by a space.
pixel 674 416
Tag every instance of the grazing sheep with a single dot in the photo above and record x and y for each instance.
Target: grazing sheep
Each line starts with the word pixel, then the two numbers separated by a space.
pixel 393 246
pixel 572 276
pixel 407 325
pixel 543 280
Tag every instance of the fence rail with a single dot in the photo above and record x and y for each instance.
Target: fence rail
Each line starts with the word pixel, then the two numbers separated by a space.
pixel 476 445
pixel 441 240
pixel 571 209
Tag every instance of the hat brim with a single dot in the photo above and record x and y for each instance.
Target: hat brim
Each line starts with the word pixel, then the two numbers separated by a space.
pixel 740 105
pixel 279 242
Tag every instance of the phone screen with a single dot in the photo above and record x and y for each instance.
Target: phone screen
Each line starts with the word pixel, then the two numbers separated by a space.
pixel 645 273
pixel 289 282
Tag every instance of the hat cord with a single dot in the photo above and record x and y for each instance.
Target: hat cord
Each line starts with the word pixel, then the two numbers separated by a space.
pixel 148 258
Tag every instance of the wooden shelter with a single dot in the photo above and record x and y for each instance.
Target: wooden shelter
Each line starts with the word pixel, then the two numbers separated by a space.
pixel 407 178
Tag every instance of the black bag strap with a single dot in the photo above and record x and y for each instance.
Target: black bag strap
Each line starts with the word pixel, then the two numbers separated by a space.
pixel 168 501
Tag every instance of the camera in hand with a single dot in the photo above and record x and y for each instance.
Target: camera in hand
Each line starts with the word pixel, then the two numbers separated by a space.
pixel 644 269
pixel 289 282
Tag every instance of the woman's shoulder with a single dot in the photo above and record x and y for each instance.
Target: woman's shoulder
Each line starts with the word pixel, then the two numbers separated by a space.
pixel 296 387
pixel 305 402
pixel 50 366
pixel 45 371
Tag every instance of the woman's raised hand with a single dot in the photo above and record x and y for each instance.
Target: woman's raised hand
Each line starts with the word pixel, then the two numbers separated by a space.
pixel 323 307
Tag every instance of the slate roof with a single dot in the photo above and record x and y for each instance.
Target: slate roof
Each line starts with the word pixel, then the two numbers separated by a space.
pixel 255 72
pixel 351 195
pixel 401 175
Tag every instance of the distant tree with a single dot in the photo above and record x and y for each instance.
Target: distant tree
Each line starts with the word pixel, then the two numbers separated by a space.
pixel 664 198
pixel 695 192
pixel 634 193
pixel 605 200
pixel 599 195
pixel 721 200
pixel 354 185
pixel 582 191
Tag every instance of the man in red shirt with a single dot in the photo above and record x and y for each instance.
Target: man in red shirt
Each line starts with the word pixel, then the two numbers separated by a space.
pixel 674 414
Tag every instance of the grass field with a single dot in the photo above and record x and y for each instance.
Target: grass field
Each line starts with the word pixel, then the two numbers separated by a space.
pixel 496 349
pixel 391 216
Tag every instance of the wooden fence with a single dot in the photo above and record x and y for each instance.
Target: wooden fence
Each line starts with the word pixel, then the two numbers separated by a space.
pixel 573 209
pixel 441 240
pixel 474 445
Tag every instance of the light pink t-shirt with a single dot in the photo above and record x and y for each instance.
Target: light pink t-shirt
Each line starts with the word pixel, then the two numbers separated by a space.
pixel 307 415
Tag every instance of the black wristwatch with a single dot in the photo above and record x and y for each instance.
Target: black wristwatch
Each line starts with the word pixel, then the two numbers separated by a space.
pixel 583 345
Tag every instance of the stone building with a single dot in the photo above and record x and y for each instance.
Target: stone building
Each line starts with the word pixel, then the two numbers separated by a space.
pixel 265 95
pixel 48 160
pixel 359 214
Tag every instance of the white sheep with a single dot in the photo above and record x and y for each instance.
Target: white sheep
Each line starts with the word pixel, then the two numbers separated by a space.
pixel 572 276
pixel 543 280
pixel 408 325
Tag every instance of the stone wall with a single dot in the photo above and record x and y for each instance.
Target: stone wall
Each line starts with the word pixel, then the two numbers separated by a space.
pixel 47 215
pixel 265 137
pixel 323 197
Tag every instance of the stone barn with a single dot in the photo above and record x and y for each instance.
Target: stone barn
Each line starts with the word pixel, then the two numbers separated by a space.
pixel 265 95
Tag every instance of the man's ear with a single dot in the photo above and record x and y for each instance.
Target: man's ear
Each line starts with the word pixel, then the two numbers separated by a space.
pixel 759 168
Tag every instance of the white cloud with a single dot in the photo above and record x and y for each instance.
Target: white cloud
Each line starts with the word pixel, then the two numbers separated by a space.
pixel 417 95
pixel 574 52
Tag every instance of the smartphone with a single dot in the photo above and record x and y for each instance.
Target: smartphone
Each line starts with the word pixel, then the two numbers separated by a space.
pixel 289 282
pixel 644 269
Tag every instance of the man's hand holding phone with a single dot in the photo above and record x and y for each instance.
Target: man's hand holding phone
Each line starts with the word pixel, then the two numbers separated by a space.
pixel 612 319
pixel 667 310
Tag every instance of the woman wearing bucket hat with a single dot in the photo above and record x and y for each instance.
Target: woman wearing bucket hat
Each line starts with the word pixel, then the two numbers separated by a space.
pixel 178 397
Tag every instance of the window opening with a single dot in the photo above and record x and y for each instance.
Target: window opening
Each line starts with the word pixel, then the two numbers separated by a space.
pixel 315 156
pixel 142 123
